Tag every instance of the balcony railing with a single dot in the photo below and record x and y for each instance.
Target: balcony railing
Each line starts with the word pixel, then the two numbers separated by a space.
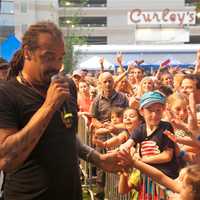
pixel 84 4
pixel 82 25
pixel 83 22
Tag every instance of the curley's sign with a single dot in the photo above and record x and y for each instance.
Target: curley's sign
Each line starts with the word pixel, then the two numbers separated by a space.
pixel 166 16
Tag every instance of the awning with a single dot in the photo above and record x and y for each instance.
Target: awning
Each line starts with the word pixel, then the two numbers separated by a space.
pixel 9 46
pixel 93 64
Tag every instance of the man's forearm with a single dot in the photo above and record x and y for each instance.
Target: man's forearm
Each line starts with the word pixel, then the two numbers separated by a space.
pixel 16 147
pixel 88 154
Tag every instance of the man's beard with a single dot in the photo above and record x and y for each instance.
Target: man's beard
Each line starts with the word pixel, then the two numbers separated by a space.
pixel 45 81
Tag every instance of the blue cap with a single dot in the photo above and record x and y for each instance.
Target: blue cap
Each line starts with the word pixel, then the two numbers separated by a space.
pixel 150 98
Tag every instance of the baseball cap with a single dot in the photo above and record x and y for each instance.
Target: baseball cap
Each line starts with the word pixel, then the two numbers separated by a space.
pixel 77 73
pixel 150 98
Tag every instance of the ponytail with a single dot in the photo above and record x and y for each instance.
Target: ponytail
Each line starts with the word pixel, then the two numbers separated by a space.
pixel 16 64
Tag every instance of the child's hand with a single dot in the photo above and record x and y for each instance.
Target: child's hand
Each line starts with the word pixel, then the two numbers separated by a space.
pixel 134 102
pixel 112 128
pixel 170 135
pixel 126 158
pixel 132 151
pixel 127 145
pixel 98 142
pixel 101 60
pixel 197 66
pixel 192 116
pixel 193 158
pixel 106 124
pixel 119 58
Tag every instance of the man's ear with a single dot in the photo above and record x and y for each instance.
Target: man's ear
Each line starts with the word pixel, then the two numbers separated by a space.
pixel 27 53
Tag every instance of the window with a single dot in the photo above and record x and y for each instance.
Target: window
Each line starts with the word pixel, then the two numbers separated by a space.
pixel 194 39
pixel 89 40
pixel 96 40
pixel 24 28
pixel 6 7
pixel 83 21
pixel 23 7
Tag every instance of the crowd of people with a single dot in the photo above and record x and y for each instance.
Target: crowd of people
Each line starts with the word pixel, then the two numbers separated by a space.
pixel 156 116
pixel 139 123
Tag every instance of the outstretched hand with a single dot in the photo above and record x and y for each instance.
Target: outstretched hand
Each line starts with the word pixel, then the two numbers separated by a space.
pixel 127 157
pixel 112 162
pixel 97 142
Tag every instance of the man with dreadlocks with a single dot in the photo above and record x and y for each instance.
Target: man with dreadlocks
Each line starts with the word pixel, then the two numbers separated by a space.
pixel 38 152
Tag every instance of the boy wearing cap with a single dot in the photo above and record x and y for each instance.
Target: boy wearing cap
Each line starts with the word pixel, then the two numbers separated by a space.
pixel 155 148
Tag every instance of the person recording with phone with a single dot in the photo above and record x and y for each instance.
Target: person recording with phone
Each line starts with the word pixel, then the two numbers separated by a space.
pixel 38 149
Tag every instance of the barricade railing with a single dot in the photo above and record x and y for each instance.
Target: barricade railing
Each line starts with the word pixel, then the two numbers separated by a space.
pixel 111 188
pixel 85 167
pixel 151 189
pixel 1 183
pixel 83 135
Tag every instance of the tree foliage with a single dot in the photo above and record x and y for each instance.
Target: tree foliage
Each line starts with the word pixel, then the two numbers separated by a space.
pixel 72 37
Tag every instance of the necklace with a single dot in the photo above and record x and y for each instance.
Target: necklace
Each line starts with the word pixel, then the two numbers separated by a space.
pixel 27 83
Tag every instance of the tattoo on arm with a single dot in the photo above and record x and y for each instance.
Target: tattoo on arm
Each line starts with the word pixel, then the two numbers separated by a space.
pixel 15 149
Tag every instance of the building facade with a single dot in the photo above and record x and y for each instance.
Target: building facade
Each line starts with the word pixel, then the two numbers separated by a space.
pixel 110 21
pixel 6 18
pixel 133 21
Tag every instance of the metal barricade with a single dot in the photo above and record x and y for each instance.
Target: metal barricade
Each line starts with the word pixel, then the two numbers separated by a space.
pixel 111 188
pixel 85 167
pixel 151 189
pixel 1 183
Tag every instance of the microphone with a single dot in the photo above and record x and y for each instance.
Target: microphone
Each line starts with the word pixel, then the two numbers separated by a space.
pixel 65 108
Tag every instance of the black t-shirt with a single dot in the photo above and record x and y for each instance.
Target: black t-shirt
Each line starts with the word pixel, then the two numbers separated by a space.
pixel 51 171
pixel 156 143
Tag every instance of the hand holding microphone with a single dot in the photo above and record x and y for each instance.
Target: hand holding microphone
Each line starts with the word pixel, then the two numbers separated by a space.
pixel 61 84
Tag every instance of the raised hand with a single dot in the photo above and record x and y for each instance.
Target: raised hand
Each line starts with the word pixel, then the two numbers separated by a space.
pixel 197 66
pixel 188 126
pixel 134 102
pixel 119 58
pixel 101 60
